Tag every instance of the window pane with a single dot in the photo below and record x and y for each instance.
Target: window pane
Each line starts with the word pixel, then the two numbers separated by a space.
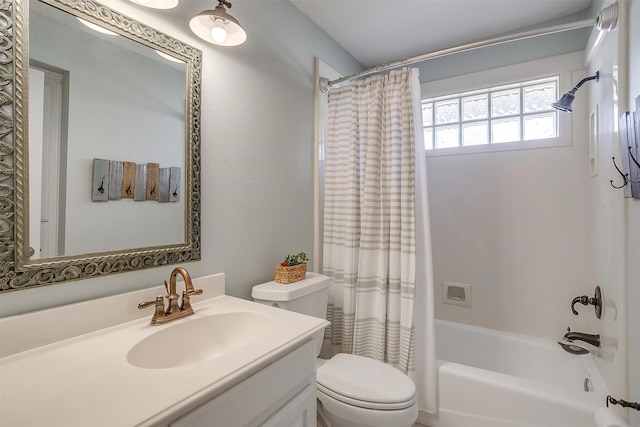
pixel 506 113
pixel 447 136
pixel 475 133
pixel 505 103
pixel 428 138
pixel 427 114
pixel 505 130
pixel 540 126
pixel 447 111
pixel 475 107
pixel 539 97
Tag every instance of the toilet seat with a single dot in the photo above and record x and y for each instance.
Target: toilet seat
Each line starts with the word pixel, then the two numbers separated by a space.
pixel 365 383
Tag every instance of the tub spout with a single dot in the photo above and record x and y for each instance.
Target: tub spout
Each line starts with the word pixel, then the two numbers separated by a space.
pixel 593 339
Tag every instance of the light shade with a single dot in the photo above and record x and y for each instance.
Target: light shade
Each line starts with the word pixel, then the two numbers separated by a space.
pixel 169 57
pixel 564 103
pixel 98 28
pixel 157 4
pixel 203 24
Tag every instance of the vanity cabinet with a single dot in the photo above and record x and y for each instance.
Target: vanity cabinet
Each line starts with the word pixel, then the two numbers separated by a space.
pixel 283 394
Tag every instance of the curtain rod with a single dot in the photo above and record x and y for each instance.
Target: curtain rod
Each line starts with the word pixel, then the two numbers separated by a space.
pixel 325 84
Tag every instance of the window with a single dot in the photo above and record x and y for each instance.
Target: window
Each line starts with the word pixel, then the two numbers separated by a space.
pixel 496 115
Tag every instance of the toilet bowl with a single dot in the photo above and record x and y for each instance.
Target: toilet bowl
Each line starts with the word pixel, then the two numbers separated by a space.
pixel 356 391
pixel 353 391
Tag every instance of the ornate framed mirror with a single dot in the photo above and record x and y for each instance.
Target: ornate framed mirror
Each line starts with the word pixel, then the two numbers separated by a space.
pixel 73 101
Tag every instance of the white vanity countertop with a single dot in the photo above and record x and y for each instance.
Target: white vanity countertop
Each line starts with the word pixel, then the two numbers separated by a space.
pixel 87 380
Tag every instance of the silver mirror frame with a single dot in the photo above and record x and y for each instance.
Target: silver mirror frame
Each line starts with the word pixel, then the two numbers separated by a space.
pixel 16 271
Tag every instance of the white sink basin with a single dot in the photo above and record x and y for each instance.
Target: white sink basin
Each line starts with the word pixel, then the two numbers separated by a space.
pixel 198 339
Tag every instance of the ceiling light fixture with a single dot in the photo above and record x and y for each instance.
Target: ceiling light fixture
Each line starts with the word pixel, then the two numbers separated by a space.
pixel 169 57
pixel 218 27
pixel 97 28
pixel 157 4
pixel 564 104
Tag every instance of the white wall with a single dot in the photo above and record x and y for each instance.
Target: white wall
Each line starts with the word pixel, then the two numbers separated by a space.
pixel 607 224
pixel 36 125
pixel 257 151
pixel 514 226
pixel 633 228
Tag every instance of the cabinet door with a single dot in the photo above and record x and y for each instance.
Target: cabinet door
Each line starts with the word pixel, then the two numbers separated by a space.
pixel 259 397
pixel 298 412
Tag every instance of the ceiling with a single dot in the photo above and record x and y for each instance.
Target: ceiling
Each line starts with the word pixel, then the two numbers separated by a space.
pixel 375 32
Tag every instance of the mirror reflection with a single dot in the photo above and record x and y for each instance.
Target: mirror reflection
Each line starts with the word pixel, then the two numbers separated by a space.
pixel 99 96
pixel 95 100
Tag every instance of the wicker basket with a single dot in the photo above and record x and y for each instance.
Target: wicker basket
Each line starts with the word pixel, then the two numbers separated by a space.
pixel 286 275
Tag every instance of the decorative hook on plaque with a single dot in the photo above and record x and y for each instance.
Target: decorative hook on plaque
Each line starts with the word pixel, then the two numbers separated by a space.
pixel 623 403
pixel 625 176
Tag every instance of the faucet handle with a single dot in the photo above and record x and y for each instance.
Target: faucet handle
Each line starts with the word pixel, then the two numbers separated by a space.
pixel 194 291
pixel 158 300
pixel 186 300
pixel 596 301
pixel 159 311
pixel 584 300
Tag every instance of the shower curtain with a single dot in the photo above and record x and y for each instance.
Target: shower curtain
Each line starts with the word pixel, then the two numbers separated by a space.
pixel 377 243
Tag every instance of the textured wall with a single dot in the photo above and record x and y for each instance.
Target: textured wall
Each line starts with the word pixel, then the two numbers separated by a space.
pixel 257 151
pixel 513 224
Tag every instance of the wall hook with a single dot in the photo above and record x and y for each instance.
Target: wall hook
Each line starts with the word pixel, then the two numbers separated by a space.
pixel 623 403
pixel 625 176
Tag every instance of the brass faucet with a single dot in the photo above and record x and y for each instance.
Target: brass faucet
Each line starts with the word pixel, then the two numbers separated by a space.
pixel 174 310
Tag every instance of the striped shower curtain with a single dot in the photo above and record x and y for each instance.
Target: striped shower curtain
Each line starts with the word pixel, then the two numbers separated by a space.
pixel 374 130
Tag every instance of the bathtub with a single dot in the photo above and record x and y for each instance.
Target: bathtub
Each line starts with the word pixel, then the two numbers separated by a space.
pixel 489 378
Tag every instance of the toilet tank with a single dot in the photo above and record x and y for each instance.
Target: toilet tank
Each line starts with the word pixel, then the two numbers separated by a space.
pixel 307 296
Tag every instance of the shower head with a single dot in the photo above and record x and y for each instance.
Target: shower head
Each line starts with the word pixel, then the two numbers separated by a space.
pixel 564 103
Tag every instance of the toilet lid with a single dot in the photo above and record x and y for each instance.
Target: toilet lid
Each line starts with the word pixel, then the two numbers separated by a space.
pixel 365 382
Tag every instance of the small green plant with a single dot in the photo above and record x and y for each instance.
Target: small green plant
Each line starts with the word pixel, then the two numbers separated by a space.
pixel 291 260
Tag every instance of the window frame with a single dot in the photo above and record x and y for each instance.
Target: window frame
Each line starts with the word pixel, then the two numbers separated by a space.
pixel 506 76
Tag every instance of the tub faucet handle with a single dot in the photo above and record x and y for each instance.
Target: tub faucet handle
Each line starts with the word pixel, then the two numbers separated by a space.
pixel 584 300
pixel 596 301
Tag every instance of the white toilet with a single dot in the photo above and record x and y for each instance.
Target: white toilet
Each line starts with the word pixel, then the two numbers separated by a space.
pixel 353 391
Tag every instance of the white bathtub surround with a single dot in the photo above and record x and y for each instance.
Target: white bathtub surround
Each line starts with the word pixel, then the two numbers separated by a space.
pixel 607 417
pixel 90 378
pixel 370 222
pixel 489 378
